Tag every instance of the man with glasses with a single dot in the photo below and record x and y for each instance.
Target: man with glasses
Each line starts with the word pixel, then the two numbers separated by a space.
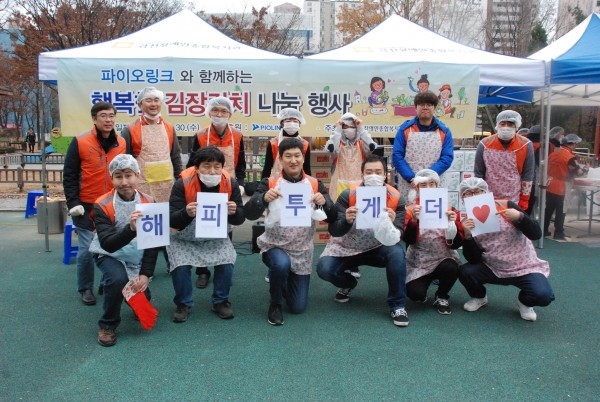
pixel 423 142
pixel 230 141
pixel 85 178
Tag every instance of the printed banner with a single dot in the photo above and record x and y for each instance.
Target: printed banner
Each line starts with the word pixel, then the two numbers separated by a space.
pixel 153 228
pixel 379 93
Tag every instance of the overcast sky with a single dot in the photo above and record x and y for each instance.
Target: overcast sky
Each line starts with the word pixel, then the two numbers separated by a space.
pixel 221 6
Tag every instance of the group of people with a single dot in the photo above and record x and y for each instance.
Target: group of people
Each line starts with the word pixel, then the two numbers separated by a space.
pixel 106 175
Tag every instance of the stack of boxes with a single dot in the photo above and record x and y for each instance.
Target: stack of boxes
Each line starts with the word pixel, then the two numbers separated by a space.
pixel 462 167
pixel 320 167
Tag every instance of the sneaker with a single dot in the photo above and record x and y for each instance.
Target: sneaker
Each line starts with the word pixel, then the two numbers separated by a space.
pixel 560 236
pixel 181 313
pixel 422 301
pixel 400 317
pixel 275 316
pixel 88 298
pixel 475 304
pixel 267 277
pixel 107 337
pixel 355 272
pixel 527 313
pixel 342 295
pixel 443 305
pixel 223 309
pixel 202 281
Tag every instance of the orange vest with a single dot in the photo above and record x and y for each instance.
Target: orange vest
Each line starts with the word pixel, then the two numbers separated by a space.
pixel 226 141
pixel 135 129
pixel 313 182
pixel 191 184
pixel 516 145
pixel 392 197
pixel 558 170
pixel 275 145
pixel 95 176
pixel 106 203
pixel 502 205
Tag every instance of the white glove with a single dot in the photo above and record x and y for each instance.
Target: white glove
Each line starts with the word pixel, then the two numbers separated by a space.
pixel 77 211
pixel 242 191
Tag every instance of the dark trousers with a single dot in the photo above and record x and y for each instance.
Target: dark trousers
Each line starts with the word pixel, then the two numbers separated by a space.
pixel 535 288
pixel 283 283
pixel 447 274
pixel 554 203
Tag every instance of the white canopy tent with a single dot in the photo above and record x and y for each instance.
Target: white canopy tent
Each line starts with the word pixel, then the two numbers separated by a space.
pixel 399 40
pixel 183 35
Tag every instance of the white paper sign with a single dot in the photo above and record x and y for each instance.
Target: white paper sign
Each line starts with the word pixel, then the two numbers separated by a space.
pixel 434 204
pixel 370 201
pixel 482 209
pixel 295 204
pixel 153 228
pixel 211 216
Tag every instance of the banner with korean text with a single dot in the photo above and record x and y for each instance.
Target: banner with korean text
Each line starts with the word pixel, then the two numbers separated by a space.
pixel 379 93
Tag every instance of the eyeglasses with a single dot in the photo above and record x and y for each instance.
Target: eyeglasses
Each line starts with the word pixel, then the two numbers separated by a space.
pixel 220 112
pixel 105 116
pixel 470 193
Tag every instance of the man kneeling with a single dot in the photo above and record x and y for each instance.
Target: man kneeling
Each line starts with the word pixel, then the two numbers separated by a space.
pixel 505 258
pixel 351 247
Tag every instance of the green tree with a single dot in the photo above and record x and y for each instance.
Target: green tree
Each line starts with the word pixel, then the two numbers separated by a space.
pixel 539 38
pixel 577 13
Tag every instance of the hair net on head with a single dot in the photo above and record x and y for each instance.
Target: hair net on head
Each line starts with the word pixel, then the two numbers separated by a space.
pixel 219 101
pixel 348 118
pixel 291 113
pixel 122 162
pixel 509 115
pixel 554 131
pixel 149 93
pixel 523 131
pixel 537 129
pixel 424 175
pixel 473 183
pixel 571 139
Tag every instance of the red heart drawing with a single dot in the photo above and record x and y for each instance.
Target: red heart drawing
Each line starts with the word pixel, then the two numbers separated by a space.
pixel 482 213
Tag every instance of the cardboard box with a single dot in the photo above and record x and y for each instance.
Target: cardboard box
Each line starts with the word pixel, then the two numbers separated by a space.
pixel 466 175
pixel 453 199
pixel 322 226
pixel 321 238
pixel 321 173
pixel 458 164
pixel 450 180
pixel 469 161
pixel 320 159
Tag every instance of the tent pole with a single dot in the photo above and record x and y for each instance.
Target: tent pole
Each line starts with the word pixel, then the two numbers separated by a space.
pixel 544 169
pixel 597 140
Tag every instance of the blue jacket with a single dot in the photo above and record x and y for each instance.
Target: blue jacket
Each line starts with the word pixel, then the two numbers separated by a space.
pixel 446 156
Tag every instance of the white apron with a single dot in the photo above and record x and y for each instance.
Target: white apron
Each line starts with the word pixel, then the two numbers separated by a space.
pixel 502 174
pixel 156 168
pixel 423 257
pixel 229 153
pixel 347 169
pixel 423 149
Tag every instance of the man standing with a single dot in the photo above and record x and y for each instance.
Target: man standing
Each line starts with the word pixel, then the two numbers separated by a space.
pixel 153 142
pixel 85 178
pixel 562 168
pixel 422 143
pixel 287 251
pixel 506 161
pixel 350 246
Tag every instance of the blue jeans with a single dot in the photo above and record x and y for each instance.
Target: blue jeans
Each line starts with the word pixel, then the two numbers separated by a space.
pixel 535 288
pixel 182 283
pixel 333 269
pixel 85 262
pixel 283 283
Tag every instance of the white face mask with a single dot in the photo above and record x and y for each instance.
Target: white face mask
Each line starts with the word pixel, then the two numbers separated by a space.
pixel 291 127
pixel 349 133
pixel 373 180
pixel 506 133
pixel 152 118
pixel 210 180
pixel 219 121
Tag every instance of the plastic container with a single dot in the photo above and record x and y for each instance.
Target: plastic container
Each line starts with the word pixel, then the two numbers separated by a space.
pixel 57 216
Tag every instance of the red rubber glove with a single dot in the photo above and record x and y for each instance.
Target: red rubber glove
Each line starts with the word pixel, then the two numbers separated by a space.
pixel 524 201
pixel 143 310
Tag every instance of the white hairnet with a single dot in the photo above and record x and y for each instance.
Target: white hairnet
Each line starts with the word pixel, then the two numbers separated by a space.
pixel 571 139
pixel 554 131
pixel 219 101
pixel 509 115
pixel 149 93
pixel 348 118
pixel 122 162
pixel 424 175
pixel 473 183
pixel 291 113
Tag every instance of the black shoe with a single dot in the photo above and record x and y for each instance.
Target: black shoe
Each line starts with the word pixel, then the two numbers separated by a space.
pixel 560 236
pixel 87 297
pixel 181 313
pixel 202 281
pixel 342 295
pixel 547 233
pixel 400 317
pixel 275 314
pixel 223 310
pixel 442 305
pixel 101 289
